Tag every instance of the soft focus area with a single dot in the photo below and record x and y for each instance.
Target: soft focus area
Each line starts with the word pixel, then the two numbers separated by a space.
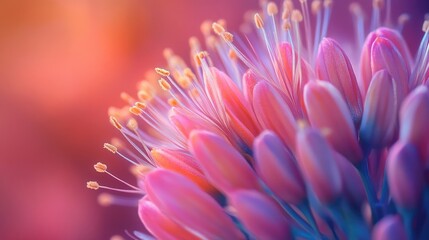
pixel 62 64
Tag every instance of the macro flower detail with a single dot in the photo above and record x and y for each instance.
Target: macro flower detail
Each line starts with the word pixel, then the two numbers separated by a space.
pixel 275 133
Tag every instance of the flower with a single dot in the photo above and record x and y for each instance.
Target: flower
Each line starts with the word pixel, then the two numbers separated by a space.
pixel 273 135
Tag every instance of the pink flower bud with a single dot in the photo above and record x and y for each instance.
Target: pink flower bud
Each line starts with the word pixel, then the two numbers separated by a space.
pixel 389 228
pixel 328 111
pixel 334 66
pixel 273 113
pixel 224 166
pixel 276 165
pixel 414 118
pixel 379 123
pixel 185 203
pixel 260 215
pixel 160 225
pixel 405 175
pixel 318 166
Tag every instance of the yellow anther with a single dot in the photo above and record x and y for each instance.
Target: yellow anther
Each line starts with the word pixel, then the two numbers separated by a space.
pixel 164 84
pixel 316 6
pixel 217 28
pixel 258 21
pixel 162 72
pixel 135 110
pixel 110 147
pixel 105 199
pixel 115 123
pixel 272 8
pixel 100 167
pixel 92 185
pixel 173 102
pixel 227 36
pixel 296 15
pixel 141 105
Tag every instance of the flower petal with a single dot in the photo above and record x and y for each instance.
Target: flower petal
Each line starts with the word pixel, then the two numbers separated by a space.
pixel 318 166
pixel 328 111
pixel 160 225
pixel 389 228
pixel 273 113
pixel 223 165
pixel 184 202
pixel 260 215
pixel 277 167
pixel 379 126
pixel 334 66
pixel 405 175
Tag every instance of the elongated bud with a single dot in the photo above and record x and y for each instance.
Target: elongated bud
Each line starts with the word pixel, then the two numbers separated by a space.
pixel 222 164
pixel 318 166
pixel 273 113
pixel 182 163
pixel 160 225
pixel 326 109
pixel 414 118
pixel 277 167
pixel 389 228
pixel 185 203
pixel 260 215
pixel 249 82
pixel 384 55
pixel 365 62
pixel 379 123
pixel 405 175
pixel 334 66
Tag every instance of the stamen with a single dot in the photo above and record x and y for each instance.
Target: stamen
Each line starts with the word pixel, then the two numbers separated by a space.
pixel 272 9
pixel 144 95
pixel 135 110
pixel 132 124
pixel 258 21
pixel 115 123
pixel 227 36
pixel 92 185
pixel 141 105
pixel 217 28
pixel 100 167
pixel 402 20
pixel 126 97
pixel 173 102
pixel 110 147
pixel 164 84
pixel 140 170
pixel 356 10
pixel 162 72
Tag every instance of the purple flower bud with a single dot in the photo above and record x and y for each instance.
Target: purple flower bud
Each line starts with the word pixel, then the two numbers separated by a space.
pixel 389 228
pixel 405 175
pixel 185 203
pixel 379 123
pixel 260 215
pixel 318 166
pixel 276 165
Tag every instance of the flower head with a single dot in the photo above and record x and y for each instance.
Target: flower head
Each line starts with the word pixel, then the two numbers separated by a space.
pixel 273 134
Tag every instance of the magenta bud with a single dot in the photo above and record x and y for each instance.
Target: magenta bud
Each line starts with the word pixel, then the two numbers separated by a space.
pixel 222 164
pixel 260 215
pixel 414 118
pixel 185 203
pixel 334 66
pixel 365 62
pixel 160 225
pixel 405 175
pixel 379 123
pixel 389 228
pixel 318 166
pixel 328 112
pixel 273 113
pixel 276 165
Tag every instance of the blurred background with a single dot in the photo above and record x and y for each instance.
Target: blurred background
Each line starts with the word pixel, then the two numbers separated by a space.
pixel 62 64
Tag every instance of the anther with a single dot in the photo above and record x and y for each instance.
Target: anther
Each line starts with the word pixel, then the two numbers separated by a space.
pixel 144 95
pixel 141 105
pixel 258 21
pixel 355 8
pixel 184 82
pixel 296 16
pixel 132 124
pixel 217 28
pixel 126 97
pixel 232 54
pixel 378 3
pixel 162 72
pixel 135 110
pixel 206 27
pixel 92 185
pixel 188 72
pixel 164 84
pixel 100 167
pixel 110 147
pixel 115 123
pixel 227 36
pixel 105 199
pixel 173 102
pixel 425 26
pixel 272 8
pixel 327 3
pixel 316 6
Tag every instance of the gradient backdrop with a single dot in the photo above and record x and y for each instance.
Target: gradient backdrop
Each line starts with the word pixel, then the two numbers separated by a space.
pixel 62 64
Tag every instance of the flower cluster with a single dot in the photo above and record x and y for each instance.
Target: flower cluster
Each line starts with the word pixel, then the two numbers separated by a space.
pixel 274 134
